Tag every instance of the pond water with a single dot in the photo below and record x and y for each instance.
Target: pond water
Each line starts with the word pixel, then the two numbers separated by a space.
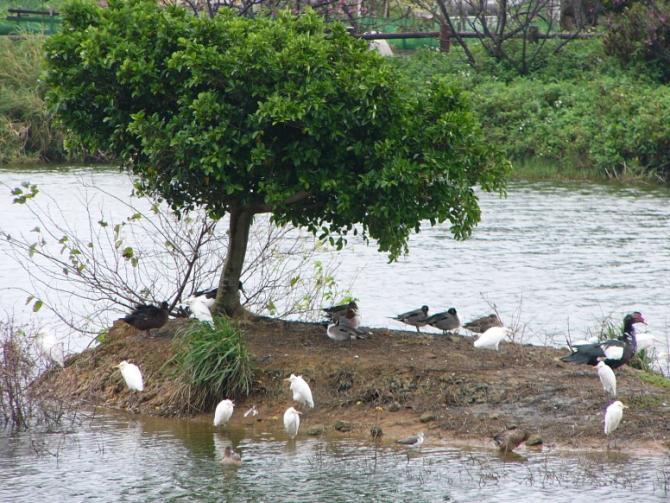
pixel 558 256
pixel 115 457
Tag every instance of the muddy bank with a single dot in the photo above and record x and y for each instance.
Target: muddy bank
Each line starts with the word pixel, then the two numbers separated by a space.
pixel 398 380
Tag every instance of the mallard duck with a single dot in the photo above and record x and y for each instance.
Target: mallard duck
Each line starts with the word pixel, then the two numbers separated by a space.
pixel 148 316
pixel 614 352
pixel 481 325
pixel 446 321
pixel 416 318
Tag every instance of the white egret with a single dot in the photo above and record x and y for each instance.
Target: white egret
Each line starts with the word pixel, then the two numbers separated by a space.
pixel 132 375
pixel 199 309
pixel 414 441
pixel 292 422
pixel 50 348
pixel 223 412
pixel 613 416
pixel 492 338
pixel 301 390
pixel 416 317
pixel 607 378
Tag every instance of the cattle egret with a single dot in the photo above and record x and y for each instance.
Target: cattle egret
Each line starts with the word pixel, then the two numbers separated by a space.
pixel 482 324
pixel 148 316
pixel 380 45
pixel 230 457
pixel 223 412
pixel 132 375
pixel 492 338
pixel 301 390
pixel 50 348
pixel 614 352
pixel 416 318
pixel 447 321
pixel 199 309
pixel 414 441
pixel 292 422
pixel 613 416
pixel 607 378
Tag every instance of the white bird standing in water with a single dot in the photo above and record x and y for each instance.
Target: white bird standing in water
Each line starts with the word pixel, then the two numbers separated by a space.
pixel 492 338
pixel 607 377
pixel 199 309
pixel 301 390
pixel 223 412
pixel 613 416
pixel 292 422
pixel 50 348
pixel 132 375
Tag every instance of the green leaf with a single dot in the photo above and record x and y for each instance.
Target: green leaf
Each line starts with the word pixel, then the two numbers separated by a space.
pixel 37 305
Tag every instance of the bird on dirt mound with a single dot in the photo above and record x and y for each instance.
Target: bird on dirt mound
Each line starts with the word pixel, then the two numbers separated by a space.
pixel 347 315
pixel 148 316
pixel 509 439
pixel 416 318
pixel 414 441
pixel 446 321
pixel 614 352
pixel 481 325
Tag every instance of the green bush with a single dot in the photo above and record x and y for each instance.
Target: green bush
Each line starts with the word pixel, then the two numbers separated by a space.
pixel 212 363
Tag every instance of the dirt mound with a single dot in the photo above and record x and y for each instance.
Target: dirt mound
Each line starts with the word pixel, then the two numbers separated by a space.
pixel 401 381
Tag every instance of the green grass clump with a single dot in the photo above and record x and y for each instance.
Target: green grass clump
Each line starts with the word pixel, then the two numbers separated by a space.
pixel 656 379
pixel 212 363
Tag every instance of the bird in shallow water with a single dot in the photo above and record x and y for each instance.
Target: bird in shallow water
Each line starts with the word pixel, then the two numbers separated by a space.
pixel 346 315
pixel 416 318
pixel 607 378
pixel 613 416
pixel 509 439
pixel 292 422
pixel 414 441
pixel 614 352
pixel 492 338
pixel 339 332
pixel 131 375
pixel 481 325
pixel 230 457
pixel 446 321
pixel 301 390
pixel 148 316
pixel 223 412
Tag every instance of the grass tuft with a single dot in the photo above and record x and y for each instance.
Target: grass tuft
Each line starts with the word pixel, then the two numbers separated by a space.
pixel 212 363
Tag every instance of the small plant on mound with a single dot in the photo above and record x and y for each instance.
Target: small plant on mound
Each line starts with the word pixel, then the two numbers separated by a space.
pixel 212 363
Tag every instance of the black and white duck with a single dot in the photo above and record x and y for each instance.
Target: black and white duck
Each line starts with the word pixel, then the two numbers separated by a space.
pixel 614 352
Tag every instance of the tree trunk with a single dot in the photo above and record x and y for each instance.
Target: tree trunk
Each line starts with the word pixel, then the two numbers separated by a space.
pixel 228 295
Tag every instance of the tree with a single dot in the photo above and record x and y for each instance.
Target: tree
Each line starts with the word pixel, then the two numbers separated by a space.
pixel 288 115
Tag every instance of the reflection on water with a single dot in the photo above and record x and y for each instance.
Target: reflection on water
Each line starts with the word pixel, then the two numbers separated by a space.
pixel 126 458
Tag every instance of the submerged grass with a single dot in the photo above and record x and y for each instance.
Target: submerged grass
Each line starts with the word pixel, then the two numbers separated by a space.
pixel 212 363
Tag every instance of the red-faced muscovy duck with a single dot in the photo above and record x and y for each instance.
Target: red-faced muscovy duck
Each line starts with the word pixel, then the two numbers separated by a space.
pixel 614 352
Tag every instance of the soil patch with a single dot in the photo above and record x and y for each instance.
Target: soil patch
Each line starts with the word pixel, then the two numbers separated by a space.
pixel 401 381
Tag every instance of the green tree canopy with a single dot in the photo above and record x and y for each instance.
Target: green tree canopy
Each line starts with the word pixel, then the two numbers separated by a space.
pixel 288 115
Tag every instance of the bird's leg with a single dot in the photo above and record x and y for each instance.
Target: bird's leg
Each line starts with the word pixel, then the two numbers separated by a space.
pixel 417 330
